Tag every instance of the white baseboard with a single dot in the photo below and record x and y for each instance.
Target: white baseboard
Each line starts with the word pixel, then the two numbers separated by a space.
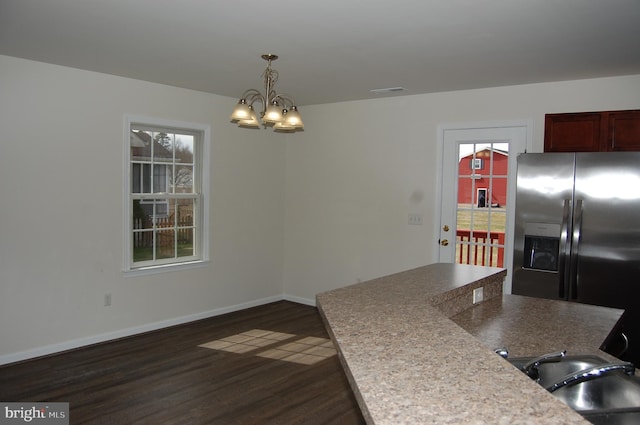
pixel 81 342
pixel 299 300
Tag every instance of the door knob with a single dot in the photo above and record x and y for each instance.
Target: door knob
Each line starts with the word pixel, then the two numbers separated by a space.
pixel 444 242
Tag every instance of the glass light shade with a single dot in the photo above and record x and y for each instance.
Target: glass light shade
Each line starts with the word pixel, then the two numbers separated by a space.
pixel 252 121
pixel 293 118
pixel 273 114
pixel 248 124
pixel 242 111
pixel 283 127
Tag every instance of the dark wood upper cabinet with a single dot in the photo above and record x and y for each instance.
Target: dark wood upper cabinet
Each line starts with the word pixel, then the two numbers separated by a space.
pixel 592 131
pixel 624 131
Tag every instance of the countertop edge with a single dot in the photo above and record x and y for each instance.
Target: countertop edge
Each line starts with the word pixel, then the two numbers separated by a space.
pixel 379 328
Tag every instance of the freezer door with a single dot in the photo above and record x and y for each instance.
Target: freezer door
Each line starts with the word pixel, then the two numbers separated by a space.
pixel 544 200
pixel 605 260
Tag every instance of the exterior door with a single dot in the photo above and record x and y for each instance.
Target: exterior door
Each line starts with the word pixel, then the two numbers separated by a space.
pixel 478 192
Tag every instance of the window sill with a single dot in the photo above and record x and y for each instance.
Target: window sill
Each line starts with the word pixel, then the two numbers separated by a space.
pixel 165 268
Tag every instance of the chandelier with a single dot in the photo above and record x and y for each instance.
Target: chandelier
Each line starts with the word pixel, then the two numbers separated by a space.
pixel 278 109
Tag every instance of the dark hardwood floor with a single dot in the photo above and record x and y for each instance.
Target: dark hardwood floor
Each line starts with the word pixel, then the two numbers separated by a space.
pixel 164 377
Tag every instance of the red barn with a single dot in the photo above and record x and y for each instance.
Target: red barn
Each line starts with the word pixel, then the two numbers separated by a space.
pixel 483 178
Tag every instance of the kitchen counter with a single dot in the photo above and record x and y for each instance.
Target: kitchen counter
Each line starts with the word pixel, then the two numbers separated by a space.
pixel 529 326
pixel 403 344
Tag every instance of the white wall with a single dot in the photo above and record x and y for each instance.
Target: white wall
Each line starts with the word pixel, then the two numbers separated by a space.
pixel 360 168
pixel 290 215
pixel 61 183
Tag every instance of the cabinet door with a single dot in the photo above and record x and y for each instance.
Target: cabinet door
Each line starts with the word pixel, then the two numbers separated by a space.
pixel 580 132
pixel 624 131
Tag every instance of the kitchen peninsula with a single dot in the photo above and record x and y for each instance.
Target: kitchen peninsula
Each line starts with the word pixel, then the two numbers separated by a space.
pixel 416 350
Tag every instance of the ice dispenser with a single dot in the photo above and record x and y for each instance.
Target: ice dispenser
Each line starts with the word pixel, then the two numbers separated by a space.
pixel 541 246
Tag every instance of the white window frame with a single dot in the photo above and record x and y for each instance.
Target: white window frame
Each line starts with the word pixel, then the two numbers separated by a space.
pixel 201 185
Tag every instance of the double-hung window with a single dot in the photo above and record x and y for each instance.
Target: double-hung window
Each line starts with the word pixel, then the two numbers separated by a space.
pixel 165 213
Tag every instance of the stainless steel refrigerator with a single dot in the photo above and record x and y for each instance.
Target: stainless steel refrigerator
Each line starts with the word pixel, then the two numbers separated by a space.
pixel 577 229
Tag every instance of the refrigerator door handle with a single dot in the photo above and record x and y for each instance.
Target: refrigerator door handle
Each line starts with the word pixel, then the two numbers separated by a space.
pixel 575 247
pixel 563 270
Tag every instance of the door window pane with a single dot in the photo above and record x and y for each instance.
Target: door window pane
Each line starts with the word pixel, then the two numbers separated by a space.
pixel 481 204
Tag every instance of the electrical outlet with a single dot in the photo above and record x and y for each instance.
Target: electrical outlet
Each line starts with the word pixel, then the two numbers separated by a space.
pixel 478 295
pixel 107 300
pixel 415 219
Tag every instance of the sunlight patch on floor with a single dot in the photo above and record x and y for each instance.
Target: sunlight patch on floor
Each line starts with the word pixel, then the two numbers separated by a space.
pixel 308 350
pixel 247 341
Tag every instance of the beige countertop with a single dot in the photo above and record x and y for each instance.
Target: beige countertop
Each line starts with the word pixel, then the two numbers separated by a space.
pixel 529 326
pixel 417 351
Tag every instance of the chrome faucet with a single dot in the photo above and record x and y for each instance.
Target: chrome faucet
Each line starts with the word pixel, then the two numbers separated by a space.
pixel 592 373
pixel 531 368
pixel 502 352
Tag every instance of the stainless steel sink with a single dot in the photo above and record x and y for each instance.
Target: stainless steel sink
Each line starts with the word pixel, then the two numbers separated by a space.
pixel 613 398
pixel 617 417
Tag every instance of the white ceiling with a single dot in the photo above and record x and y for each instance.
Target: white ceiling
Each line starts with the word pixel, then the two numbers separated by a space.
pixel 330 50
